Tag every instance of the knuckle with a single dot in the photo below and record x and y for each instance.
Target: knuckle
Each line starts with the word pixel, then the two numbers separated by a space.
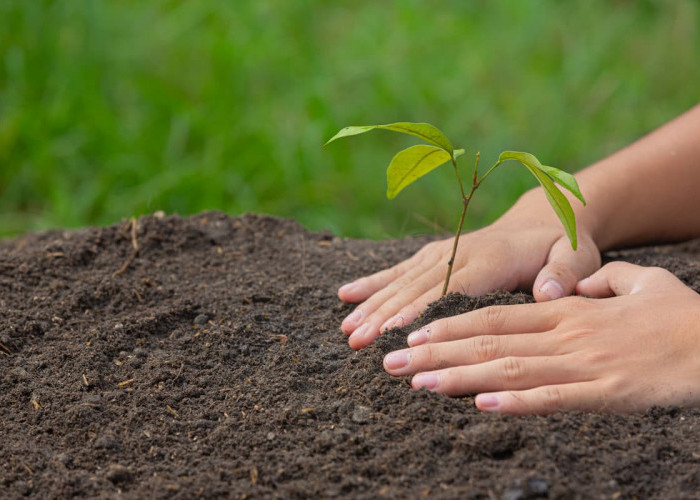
pixel 553 399
pixel 576 303
pixel 402 283
pixel 613 384
pixel 657 273
pixel 488 348
pixel 445 329
pixel 433 357
pixel 493 318
pixel 575 336
pixel 512 369
pixel 597 358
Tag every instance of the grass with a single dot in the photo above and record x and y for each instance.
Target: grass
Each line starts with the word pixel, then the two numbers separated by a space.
pixel 110 109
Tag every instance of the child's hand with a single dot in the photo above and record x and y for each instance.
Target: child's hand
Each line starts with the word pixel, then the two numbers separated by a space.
pixel 526 246
pixel 627 353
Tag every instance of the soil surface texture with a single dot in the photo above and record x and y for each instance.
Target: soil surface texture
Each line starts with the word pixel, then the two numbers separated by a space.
pixel 209 363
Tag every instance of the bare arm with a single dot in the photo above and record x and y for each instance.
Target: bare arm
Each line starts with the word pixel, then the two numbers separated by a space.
pixel 649 191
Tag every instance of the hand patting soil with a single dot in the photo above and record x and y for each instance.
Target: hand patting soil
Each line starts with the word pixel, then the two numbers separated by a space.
pixel 213 365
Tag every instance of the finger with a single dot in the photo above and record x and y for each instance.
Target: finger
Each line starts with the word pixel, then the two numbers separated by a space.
pixel 380 312
pixel 402 306
pixel 467 352
pixel 492 320
pixel 476 279
pixel 509 373
pixel 410 284
pixel 377 322
pixel 363 288
pixel 623 278
pixel 368 329
pixel 582 396
pixel 564 268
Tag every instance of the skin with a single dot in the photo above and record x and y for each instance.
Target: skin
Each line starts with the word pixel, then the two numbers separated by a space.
pixel 571 353
pixel 645 193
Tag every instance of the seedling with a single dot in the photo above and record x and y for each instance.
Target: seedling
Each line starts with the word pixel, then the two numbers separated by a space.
pixel 414 162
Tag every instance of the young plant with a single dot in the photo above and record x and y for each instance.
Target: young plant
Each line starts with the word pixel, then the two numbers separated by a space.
pixel 416 161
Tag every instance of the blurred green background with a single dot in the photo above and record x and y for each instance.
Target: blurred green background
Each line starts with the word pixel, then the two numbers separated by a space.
pixel 110 109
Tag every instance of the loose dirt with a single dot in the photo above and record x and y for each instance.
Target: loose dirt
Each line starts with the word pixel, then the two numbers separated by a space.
pixel 209 363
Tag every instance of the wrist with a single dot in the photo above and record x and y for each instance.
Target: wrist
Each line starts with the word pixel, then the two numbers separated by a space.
pixel 535 205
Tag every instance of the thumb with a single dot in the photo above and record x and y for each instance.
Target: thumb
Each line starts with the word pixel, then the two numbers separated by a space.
pixel 565 267
pixel 623 278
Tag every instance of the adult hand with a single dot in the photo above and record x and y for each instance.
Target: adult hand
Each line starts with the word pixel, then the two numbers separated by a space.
pixel 626 353
pixel 524 248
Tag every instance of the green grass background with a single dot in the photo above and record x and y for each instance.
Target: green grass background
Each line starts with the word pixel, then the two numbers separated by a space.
pixel 110 109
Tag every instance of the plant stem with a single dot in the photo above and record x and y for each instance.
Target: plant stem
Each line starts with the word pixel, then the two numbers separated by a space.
pixel 466 198
pixel 489 171
pixel 459 179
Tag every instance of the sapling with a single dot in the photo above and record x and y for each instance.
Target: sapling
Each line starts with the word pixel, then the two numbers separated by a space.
pixel 414 162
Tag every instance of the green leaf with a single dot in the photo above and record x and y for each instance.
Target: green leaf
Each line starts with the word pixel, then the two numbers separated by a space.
pixel 425 131
pixel 564 179
pixel 556 198
pixel 457 153
pixel 411 164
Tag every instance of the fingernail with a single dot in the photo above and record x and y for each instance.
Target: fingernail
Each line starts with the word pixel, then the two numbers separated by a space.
pixel 353 318
pixel 487 402
pixel 428 381
pixel 360 333
pixel 418 337
pixel 349 287
pixel 397 359
pixel 392 322
pixel 552 289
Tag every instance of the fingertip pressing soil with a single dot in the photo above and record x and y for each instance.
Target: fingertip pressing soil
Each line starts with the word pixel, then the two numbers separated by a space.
pixel 201 357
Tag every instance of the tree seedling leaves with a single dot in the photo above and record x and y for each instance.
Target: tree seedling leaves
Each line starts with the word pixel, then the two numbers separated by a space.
pixel 426 131
pixel 416 161
pixel 564 179
pixel 411 164
pixel 546 177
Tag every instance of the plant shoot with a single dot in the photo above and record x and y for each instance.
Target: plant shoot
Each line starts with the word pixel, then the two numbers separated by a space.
pixel 414 162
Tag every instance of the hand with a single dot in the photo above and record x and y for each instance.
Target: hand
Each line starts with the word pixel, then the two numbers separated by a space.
pixel 627 353
pixel 525 248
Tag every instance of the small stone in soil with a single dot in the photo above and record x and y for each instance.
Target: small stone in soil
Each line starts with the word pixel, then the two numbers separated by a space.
pixel 107 442
pixel 538 486
pixel 135 362
pixel 341 434
pixel 514 494
pixel 201 319
pixel 140 352
pixel 361 415
pixel 23 488
pixel 118 473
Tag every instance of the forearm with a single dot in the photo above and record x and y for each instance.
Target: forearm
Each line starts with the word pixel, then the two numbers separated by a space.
pixel 647 192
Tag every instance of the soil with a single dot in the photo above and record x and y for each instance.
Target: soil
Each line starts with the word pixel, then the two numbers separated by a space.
pixel 210 364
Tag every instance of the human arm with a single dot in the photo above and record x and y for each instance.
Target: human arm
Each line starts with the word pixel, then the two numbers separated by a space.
pixel 644 193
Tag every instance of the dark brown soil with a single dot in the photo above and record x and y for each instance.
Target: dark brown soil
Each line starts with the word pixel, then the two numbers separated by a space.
pixel 213 366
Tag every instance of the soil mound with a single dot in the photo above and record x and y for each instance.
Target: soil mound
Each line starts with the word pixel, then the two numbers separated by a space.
pixel 209 363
